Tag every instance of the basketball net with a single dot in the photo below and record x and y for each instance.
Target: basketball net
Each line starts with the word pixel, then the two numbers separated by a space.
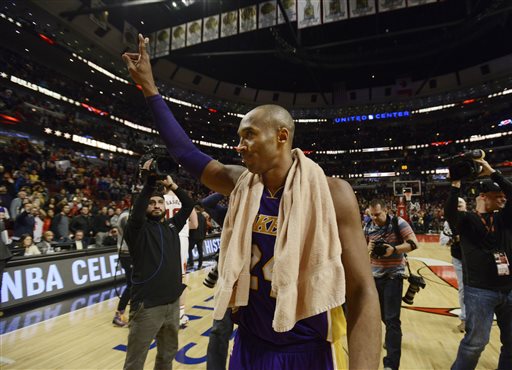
pixel 408 196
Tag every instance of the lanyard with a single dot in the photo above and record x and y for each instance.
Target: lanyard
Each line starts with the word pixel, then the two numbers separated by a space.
pixel 490 227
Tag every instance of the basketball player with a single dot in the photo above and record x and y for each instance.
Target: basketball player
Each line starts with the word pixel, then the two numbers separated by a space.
pixel 173 205
pixel 288 295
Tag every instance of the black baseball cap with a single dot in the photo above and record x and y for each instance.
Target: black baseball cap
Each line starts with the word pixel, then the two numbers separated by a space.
pixel 487 185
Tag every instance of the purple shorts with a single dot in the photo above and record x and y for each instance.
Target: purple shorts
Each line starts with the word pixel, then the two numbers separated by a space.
pixel 250 353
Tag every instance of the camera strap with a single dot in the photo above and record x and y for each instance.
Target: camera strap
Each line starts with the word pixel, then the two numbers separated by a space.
pixel 407 263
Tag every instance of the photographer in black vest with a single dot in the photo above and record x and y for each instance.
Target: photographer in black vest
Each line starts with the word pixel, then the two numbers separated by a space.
pixel 154 246
pixel 486 244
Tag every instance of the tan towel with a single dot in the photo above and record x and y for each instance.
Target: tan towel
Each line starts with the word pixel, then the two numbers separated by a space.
pixel 308 276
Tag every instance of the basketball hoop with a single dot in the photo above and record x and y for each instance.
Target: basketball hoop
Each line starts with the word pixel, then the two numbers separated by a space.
pixel 408 196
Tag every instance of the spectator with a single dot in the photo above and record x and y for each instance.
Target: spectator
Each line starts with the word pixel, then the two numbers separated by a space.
pixel 82 222
pixel 24 223
pixel 101 225
pixel 27 243
pixel 46 243
pixel 17 204
pixel 80 240
pixel 60 225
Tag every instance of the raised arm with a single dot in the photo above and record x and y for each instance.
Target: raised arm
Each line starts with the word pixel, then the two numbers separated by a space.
pixel 450 208
pixel 213 174
pixel 363 312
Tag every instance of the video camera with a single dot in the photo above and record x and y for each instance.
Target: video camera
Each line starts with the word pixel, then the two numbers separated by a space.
pixel 162 164
pixel 463 166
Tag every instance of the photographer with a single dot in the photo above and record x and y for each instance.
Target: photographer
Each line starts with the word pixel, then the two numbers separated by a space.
pixel 154 246
pixel 388 239
pixel 451 238
pixel 486 244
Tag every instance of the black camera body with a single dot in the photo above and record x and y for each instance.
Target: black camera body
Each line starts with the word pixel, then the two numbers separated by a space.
pixel 415 284
pixel 379 249
pixel 162 164
pixel 463 166
pixel 211 279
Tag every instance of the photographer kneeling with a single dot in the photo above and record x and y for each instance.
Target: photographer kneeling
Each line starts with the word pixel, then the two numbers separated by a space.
pixel 155 250
pixel 486 244
pixel 388 239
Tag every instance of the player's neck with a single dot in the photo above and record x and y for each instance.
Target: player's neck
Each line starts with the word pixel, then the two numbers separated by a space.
pixel 276 177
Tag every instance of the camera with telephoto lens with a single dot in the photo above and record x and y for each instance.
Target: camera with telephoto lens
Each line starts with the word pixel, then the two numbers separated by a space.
pixel 463 166
pixel 379 248
pixel 162 164
pixel 415 284
pixel 211 279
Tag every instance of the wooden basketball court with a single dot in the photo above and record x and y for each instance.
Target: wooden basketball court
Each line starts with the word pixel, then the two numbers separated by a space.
pixel 86 339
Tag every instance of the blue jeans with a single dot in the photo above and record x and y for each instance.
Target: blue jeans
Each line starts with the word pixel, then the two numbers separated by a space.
pixel 457 265
pixel 390 299
pixel 481 305
pixel 218 344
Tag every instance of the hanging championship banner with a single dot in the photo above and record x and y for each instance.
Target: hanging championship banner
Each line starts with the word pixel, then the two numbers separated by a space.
pixel 387 5
pixel 194 32
pixel 162 40
pixel 359 8
pixel 248 19
pixel 229 24
pixel 308 13
pixel 130 37
pixel 101 17
pixel 268 13
pixel 211 28
pixel 290 6
pixel 419 2
pixel 334 10
pixel 178 37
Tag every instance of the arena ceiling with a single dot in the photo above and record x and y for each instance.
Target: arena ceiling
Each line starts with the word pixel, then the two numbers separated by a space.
pixel 417 43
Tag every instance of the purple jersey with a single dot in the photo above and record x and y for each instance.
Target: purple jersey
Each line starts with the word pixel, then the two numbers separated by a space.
pixel 256 318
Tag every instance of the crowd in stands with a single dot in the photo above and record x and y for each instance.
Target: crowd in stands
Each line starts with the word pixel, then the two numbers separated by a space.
pixel 56 189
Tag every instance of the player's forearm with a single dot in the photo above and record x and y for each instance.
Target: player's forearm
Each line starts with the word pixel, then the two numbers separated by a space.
pixel 178 143
pixel 364 329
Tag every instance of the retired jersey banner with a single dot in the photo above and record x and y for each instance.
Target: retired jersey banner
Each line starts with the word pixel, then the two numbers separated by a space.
pixel 290 7
pixel 360 8
pixel 211 28
pixel 420 2
pixel 194 32
pixel 248 19
pixel 178 37
pixel 268 14
pixel 387 5
pixel 229 24
pixel 308 13
pixel 162 41
pixel 334 10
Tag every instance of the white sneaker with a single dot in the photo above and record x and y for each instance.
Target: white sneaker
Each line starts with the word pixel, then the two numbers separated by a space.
pixel 184 321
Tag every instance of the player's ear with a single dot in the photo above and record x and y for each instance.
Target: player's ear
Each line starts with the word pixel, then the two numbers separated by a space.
pixel 283 135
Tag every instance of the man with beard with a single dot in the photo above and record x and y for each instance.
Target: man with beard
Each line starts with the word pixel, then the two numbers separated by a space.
pixel 154 246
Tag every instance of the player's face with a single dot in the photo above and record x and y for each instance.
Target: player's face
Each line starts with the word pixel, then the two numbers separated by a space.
pixel 378 215
pixel 258 145
pixel 156 207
